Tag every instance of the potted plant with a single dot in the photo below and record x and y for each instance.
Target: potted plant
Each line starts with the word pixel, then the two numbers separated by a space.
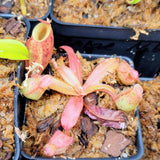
pixel 68 121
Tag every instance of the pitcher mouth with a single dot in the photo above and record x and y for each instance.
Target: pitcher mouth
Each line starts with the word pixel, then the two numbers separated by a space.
pixel 41 31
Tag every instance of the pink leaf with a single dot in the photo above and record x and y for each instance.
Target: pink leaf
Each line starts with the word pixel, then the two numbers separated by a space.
pixel 107 66
pixel 69 76
pixel 57 144
pixel 62 87
pixel 33 88
pixel 74 62
pixel 49 150
pixel 71 112
pixel 101 87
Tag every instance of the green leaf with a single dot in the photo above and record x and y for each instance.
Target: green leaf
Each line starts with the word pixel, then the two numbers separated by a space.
pixel 13 50
pixel 133 1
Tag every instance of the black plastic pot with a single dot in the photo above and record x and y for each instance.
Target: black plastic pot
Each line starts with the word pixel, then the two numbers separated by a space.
pixel 16 110
pixel 98 31
pixel 18 114
pixel 22 103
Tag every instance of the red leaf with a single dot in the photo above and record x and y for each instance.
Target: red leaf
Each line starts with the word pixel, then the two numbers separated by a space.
pixel 107 123
pixel 106 114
